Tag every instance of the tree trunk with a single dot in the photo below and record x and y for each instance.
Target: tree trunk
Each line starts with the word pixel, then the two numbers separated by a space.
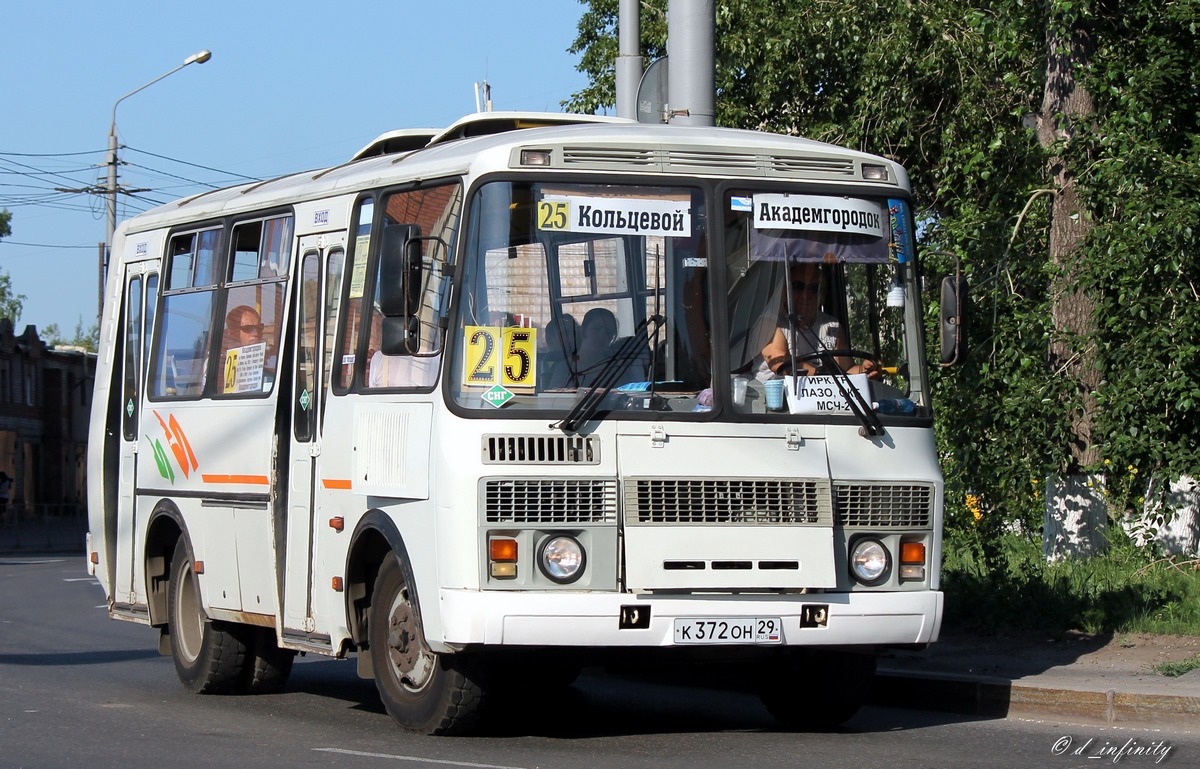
pixel 1072 353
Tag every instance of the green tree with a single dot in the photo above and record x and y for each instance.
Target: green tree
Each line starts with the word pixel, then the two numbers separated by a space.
pixel 11 303
pixel 1054 146
pixel 88 339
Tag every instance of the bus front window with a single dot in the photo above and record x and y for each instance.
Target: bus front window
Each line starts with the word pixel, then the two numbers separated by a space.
pixel 570 286
pixel 821 287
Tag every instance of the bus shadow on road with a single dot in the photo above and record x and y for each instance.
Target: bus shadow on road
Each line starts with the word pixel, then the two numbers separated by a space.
pixel 67 659
pixel 602 705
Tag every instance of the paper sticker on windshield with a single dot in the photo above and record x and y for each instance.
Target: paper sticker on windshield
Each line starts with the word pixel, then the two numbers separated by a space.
pixel 818 213
pixel 615 216
pixel 504 357
pixel 821 394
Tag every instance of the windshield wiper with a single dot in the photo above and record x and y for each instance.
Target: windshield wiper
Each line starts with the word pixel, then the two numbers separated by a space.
pixel 859 406
pixel 629 351
pixel 871 426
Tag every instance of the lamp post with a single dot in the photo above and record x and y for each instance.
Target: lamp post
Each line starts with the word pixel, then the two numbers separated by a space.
pixel 196 58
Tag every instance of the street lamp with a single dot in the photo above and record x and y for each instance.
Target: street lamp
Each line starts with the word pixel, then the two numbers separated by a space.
pixel 196 58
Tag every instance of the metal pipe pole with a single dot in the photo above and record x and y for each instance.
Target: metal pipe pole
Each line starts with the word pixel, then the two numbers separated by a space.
pixel 629 58
pixel 691 79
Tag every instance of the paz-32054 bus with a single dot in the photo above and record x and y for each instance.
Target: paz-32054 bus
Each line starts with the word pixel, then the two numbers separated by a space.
pixel 485 405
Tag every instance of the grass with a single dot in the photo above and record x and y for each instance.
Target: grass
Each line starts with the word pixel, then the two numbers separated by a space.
pixel 1175 669
pixel 1007 585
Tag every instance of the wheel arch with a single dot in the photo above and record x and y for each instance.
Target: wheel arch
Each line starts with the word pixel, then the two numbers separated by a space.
pixel 374 538
pixel 165 529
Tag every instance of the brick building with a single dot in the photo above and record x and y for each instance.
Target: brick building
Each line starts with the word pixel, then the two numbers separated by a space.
pixel 45 401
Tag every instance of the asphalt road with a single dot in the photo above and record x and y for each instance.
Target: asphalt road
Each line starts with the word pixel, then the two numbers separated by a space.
pixel 79 690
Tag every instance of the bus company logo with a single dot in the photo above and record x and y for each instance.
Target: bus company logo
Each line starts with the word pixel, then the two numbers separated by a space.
pixel 180 448
pixel 497 396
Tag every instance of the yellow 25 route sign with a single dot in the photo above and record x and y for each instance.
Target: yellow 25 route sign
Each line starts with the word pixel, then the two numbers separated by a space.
pixel 500 356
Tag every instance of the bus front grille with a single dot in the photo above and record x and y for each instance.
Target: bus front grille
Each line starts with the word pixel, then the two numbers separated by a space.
pixel 541 450
pixel 549 500
pixel 884 505
pixel 698 501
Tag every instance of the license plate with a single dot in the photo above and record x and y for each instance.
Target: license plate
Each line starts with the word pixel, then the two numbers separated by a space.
pixel 729 630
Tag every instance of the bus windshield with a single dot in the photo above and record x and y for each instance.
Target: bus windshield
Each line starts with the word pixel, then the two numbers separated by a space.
pixel 573 285
pixel 569 287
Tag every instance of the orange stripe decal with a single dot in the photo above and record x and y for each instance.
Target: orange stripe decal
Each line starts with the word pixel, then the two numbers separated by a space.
pixel 336 483
pixel 253 480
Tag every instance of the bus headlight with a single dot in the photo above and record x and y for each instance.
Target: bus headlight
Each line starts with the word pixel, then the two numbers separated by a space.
pixel 561 559
pixel 870 561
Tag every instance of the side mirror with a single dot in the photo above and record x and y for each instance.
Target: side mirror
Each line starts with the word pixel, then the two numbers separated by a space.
pixel 953 319
pixel 400 269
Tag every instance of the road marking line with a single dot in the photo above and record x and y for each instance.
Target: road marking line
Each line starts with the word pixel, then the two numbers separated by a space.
pixel 78 579
pixel 421 759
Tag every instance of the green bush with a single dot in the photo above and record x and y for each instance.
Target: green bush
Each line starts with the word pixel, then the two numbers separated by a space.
pixel 1004 584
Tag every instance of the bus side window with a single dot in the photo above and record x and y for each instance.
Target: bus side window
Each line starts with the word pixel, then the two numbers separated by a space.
pixel 182 345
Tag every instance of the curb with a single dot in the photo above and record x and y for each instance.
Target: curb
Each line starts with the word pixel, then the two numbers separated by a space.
pixel 1001 698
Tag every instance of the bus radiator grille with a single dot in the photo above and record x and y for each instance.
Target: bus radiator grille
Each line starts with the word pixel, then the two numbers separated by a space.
pixel 699 501
pixel 541 450
pixel 884 505
pixel 550 500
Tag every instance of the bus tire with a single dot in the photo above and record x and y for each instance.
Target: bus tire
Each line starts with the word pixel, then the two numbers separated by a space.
pixel 269 666
pixel 822 690
pixel 422 691
pixel 210 657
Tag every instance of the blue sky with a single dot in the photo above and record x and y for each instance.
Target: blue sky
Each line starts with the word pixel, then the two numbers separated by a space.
pixel 291 86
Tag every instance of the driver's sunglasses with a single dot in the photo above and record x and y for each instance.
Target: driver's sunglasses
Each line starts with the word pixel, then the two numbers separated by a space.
pixel 801 286
pixel 252 328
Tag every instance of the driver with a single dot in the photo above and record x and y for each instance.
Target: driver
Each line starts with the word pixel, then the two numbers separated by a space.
pixel 809 330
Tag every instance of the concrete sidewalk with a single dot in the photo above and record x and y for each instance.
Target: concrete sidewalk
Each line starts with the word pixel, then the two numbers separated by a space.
pixel 1091 680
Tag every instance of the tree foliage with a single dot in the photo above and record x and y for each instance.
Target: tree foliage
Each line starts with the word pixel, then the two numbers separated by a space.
pixel 11 303
pixel 953 91
pixel 88 339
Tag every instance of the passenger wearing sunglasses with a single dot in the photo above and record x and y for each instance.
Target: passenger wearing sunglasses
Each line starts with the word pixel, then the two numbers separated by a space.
pixel 243 326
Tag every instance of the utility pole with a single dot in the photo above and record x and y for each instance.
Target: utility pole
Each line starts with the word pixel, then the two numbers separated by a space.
pixel 691 79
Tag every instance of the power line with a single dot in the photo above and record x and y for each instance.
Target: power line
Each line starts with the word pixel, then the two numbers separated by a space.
pixel 195 165
pixel 49 154
pixel 40 245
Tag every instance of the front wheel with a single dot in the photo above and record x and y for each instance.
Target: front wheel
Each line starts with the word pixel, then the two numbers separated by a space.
pixel 210 657
pixel 422 691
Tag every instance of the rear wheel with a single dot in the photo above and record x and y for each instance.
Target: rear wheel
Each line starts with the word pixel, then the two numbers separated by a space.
pixel 210 657
pixel 422 691
pixel 818 690
pixel 269 666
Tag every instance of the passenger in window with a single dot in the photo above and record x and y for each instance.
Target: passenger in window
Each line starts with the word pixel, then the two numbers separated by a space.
pixel 559 354
pixel 243 326
pixel 254 368
pixel 599 332
pixel 807 330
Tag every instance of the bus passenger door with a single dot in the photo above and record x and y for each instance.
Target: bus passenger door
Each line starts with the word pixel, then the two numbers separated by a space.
pixel 141 289
pixel 321 258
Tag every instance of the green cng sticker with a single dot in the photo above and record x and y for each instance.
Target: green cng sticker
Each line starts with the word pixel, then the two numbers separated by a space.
pixel 497 396
pixel 305 400
pixel 129 407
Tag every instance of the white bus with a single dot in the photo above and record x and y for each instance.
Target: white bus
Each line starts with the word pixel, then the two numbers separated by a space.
pixel 485 405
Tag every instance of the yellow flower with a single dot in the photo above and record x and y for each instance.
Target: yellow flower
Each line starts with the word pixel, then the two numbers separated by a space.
pixel 973 505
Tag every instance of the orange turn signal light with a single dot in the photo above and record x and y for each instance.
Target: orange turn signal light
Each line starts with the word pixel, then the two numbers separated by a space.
pixel 502 550
pixel 336 584
pixel 337 523
pixel 912 552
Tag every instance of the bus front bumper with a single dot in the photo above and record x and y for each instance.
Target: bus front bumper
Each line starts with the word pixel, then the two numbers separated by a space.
pixel 560 618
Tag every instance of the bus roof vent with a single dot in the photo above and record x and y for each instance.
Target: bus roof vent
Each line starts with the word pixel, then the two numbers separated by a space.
pixel 541 450
pixel 487 123
pixel 395 142
pixel 807 165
